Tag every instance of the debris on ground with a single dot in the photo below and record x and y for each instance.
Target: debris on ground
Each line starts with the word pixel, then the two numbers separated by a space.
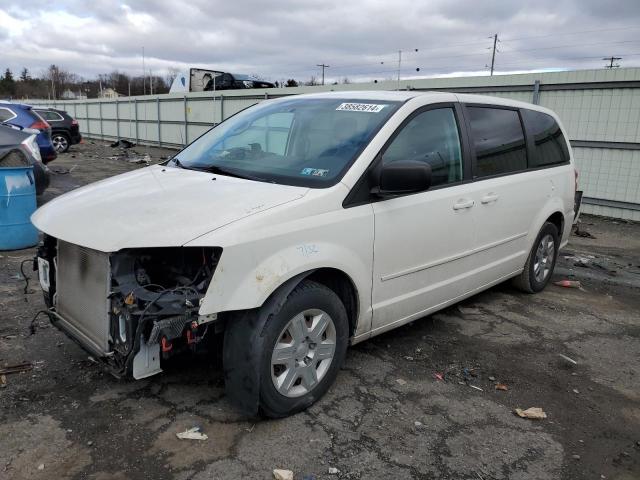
pixel 501 386
pixel 333 471
pixel 193 433
pixel 400 381
pixel 576 391
pixel 3 381
pixel 439 376
pixel 20 367
pixel 417 424
pixel 568 283
pixel 41 466
pixel 477 388
pixel 469 310
pixel 570 360
pixel 575 457
pixel 533 413
pixel 582 233
pixel 492 379
pixel 279 474
pixel 122 144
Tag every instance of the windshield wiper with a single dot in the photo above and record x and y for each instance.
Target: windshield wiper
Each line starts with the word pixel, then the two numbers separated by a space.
pixel 234 173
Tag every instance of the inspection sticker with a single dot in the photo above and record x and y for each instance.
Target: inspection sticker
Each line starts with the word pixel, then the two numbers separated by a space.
pixel 314 172
pixel 361 107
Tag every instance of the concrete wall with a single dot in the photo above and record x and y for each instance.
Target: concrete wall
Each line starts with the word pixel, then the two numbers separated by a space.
pixel 600 109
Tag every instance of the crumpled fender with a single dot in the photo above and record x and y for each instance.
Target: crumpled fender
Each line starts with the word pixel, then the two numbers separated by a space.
pixel 244 346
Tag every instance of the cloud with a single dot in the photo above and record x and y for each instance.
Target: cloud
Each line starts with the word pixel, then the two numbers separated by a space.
pixel 359 39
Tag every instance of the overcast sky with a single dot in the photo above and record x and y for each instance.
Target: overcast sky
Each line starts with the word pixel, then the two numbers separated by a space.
pixel 286 38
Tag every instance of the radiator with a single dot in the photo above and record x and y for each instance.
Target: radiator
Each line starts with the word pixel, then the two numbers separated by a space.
pixel 83 279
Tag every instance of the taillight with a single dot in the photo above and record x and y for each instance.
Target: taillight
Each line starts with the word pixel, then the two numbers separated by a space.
pixel 40 125
pixel 576 179
pixel 74 122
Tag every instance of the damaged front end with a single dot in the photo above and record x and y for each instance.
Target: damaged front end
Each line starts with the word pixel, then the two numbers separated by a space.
pixel 129 308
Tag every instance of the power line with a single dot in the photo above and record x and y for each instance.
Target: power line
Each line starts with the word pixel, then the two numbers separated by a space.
pixel 571 33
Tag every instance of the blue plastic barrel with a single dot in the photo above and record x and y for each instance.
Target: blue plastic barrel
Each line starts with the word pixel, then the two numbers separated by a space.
pixel 17 203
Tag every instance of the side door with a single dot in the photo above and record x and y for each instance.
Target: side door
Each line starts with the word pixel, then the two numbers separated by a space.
pixel 508 197
pixel 423 240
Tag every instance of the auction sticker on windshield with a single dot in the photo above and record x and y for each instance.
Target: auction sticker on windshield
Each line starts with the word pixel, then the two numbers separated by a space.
pixel 361 107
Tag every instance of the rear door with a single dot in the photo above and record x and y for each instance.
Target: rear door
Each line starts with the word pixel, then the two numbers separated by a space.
pixel 423 240
pixel 508 197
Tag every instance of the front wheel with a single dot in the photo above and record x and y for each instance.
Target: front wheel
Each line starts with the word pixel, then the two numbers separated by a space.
pixel 541 261
pixel 305 346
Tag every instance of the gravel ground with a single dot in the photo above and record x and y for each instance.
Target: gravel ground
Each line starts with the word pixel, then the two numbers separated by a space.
pixel 387 416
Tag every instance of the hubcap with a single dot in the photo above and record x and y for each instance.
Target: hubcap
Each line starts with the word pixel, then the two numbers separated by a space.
pixel 544 258
pixel 303 353
pixel 60 143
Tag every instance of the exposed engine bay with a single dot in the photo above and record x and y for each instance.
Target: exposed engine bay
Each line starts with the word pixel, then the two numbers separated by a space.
pixel 132 307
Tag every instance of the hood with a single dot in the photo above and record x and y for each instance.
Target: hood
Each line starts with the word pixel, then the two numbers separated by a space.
pixel 156 207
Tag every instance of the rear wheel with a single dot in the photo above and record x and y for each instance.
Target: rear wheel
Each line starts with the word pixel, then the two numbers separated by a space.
pixel 305 346
pixel 541 261
pixel 61 142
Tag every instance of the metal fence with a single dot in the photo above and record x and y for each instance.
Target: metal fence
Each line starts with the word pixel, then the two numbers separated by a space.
pixel 600 109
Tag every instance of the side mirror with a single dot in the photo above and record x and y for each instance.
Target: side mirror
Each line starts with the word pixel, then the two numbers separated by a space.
pixel 402 177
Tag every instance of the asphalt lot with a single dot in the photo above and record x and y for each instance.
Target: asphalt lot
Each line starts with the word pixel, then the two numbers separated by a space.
pixel 388 416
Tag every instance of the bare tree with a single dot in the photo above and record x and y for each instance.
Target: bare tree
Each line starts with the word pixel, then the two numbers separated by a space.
pixel 312 81
pixel 59 80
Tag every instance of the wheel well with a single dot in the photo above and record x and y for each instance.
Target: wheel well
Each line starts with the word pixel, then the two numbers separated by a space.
pixel 558 220
pixel 341 284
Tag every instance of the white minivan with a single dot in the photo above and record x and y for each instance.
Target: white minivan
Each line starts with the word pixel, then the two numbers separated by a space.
pixel 304 224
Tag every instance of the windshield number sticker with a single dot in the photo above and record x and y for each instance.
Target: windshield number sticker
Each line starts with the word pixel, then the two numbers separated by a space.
pixel 314 172
pixel 361 107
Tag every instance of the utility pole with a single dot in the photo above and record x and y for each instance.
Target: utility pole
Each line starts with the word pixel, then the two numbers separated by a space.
pixel 144 91
pixel 323 67
pixel 611 60
pixel 399 66
pixel 493 54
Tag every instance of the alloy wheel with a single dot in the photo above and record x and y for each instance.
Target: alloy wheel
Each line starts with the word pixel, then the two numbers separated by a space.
pixel 303 353
pixel 543 261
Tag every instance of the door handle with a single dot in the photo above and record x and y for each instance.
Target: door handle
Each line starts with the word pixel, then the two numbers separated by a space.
pixel 488 198
pixel 463 203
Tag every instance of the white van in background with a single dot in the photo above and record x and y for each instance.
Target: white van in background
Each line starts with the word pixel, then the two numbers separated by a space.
pixel 303 224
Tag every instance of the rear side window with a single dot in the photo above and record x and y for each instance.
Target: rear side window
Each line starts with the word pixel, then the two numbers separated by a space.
pixel 6 114
pixel 498 140
pixel 49 115
pixel 550 146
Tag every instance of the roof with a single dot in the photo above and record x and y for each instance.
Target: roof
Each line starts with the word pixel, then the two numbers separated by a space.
pixel 371 94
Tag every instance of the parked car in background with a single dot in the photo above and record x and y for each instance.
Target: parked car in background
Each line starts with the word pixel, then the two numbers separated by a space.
pixel 17 146
pixel 331 218
pixel 64 128
pixel 24 116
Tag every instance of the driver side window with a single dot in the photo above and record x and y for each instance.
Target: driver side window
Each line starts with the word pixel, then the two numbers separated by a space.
pixel 430 137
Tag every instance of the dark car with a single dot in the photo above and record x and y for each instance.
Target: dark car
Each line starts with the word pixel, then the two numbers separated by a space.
pixel 65 130
pixel 24 116
pixel 18 147
pixel 233 81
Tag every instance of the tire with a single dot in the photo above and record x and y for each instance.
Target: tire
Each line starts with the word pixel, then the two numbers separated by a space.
pixel 61 142
pixel 541 261
pixel 321 351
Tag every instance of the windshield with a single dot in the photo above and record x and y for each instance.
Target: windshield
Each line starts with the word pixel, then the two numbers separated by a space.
pixel 300 141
